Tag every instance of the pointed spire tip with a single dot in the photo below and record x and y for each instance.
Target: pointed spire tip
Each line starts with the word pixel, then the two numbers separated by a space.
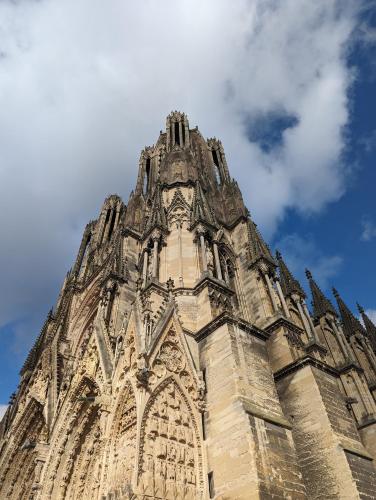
pixel 360 308
pixel 308 274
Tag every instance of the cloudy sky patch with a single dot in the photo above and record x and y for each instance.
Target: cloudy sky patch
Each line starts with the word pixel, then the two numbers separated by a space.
pixel 84 86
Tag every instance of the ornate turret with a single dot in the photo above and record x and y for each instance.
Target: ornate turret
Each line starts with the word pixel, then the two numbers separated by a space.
pixel 289 284
pixel 351 324
pixel 321 305
pixel 258 249
pixel 157 215
pixel 201 211
pixel 369 325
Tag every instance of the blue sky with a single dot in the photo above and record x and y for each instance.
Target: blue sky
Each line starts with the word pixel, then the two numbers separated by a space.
pixel 289 88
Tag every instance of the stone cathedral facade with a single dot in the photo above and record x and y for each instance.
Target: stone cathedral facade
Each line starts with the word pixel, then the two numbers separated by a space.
pixel 182 362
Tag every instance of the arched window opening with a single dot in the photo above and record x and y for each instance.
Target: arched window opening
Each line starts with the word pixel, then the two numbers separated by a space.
pixel 177 135
pixel 82 267
pixel 147 176
pixel 215 157
pixel 183 132
pixel 108 213
pixel 112 224
pixel 217 170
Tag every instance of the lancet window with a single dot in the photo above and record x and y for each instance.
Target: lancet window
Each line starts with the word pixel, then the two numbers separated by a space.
pixel 146 186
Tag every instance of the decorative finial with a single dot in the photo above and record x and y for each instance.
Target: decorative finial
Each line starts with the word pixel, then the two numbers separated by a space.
pixel 360 308
pixel 278 255
pixel 308 274
pixel 335 293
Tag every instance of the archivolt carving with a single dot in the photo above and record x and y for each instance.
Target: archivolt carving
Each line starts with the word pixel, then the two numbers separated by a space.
pixel 18 476
pixel 171 358
pixel 77 447
pixel 170 456
pixel 120 461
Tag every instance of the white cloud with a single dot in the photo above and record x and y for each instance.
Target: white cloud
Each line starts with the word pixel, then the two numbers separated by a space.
pixel 3 409
pixel 371 313
pixel 301 252
pixel 84 86
pixel 368 229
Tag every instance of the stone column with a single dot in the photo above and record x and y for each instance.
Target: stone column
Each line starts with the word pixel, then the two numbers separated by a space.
pixel 367 352
pixel 181 282
pixel 155 237
pixel 282 297
pixel 145 267
pixel 271 291
pixel 363 393
pixel 200 232
pixel 304 319
pixel 217 261
pixel 180 133
pixel 310 322
pixel 345 349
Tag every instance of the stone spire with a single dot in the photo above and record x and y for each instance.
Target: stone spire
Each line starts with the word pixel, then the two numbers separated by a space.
pixel 351 324
pixel 257 246
pixel 201 211
pixel 157 217
pixel 369 325
pixel 289 284
pixel 321 305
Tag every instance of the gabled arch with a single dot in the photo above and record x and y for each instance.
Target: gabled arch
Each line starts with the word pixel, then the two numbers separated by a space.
pixel 74 454
pixel 18 473
pixel 170 454
pixel 121 451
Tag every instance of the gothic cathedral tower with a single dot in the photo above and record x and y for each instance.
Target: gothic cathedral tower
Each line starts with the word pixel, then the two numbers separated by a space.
pixel 181 360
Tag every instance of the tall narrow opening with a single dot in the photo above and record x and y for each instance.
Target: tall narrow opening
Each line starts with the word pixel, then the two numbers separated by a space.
pixel 203 426
pixel 108 213
pixel 183 133
pixel 211 484
pixel 217 170
pixel 112 224
pixel 147 175
pixel 177 135
pixel 84 254
pixel 215 157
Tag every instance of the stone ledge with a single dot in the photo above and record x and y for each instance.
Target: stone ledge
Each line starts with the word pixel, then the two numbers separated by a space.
pixel 363 453
pixel 224 318
pixel 302 363
pixel 371 420
pixel 281 321
pixel 258 412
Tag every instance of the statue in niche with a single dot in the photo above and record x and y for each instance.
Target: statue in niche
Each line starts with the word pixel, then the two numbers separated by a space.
pixel 209 259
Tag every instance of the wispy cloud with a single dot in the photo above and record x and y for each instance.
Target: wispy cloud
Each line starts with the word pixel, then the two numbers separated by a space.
pixel 371 313
pixel 3 409
pixel 83 87
pixel 368 229
pixel 301 252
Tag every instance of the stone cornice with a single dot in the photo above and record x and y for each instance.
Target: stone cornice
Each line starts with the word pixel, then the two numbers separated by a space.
pixel 128 231
pixel 350 365
pixel 259 412
pixel 281 321
pixel 227 318
pixel 302 363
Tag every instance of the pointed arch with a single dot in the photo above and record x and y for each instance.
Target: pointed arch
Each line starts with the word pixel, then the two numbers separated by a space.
pixel 170 456
pixel 19 473
pixel 121 452
pixel 74 458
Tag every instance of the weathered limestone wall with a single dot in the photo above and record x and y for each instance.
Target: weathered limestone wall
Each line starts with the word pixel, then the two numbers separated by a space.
pixel 230 449
pixel 322 428
pixel 249 444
